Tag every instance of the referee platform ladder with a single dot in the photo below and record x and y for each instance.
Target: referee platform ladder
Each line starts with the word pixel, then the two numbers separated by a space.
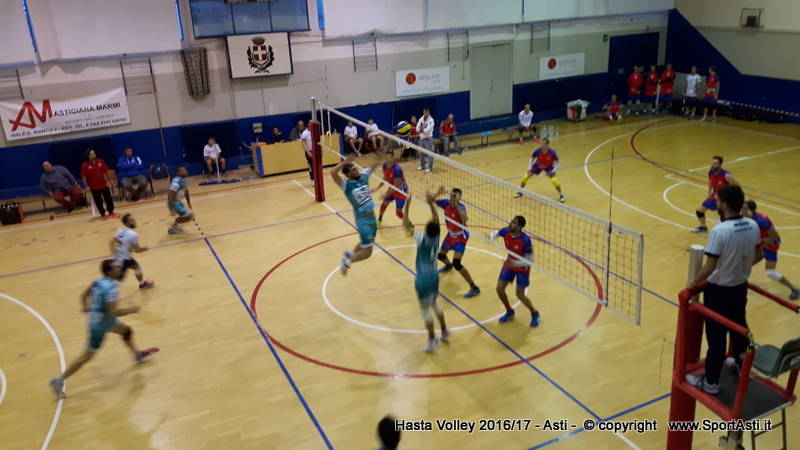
pixel 750 394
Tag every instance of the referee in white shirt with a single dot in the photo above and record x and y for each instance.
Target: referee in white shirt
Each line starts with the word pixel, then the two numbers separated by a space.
pixel 425 130
pixel 731 251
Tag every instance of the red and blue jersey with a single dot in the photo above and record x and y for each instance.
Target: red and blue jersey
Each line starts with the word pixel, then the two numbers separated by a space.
pixel 667 80
pixel 613 107
pixel 545 159
pixel 394 173
pixel 712 85
pixel 521 245
pixel 651 83
pixel 717 180
pixel 764 227
pixel 452 213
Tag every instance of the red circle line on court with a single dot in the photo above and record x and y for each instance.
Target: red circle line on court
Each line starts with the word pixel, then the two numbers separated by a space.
pixel 254 298
pixel 681 174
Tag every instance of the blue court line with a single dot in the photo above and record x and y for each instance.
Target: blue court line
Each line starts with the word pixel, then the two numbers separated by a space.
pixel 609 418
pixel 97 258
pixel 477 323
pixel 271 347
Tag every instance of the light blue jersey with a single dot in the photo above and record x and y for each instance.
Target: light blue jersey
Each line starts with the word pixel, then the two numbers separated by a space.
pixel 357 192
pixel 102 292
pixel 179 185
pixel 427 282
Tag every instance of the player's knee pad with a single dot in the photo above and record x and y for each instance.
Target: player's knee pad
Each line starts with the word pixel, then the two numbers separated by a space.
pixel 555 182
pixel 126 336
pixel 426 314
pixel 700 214
pixel 525 178
pixel 457 264
pixel 774 274
pixel 399 213
pixel 442 257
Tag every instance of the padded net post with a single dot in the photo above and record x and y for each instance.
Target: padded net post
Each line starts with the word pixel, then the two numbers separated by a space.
pixel 316 160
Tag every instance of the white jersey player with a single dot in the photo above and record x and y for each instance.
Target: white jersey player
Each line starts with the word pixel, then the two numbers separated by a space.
pixel 124 243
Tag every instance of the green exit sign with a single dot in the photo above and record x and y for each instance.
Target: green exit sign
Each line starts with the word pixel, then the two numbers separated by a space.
pixel 605 37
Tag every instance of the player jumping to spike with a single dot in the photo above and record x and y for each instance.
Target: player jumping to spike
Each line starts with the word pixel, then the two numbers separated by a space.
pixel 393 175
pixel 355 185
pixel 717 177
pixel 456 239
pixel 520 244
pixel 770 244
pixel 543 159
pixel 100 302
pixel 427 281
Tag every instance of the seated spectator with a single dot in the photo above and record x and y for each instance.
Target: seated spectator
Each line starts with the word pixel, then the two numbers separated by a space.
pixel 526 123
pixel 374 137
pixel 59 183
pixel 613 108
pixel 351 138
pixel 388 433
pixel 94 172
pixel 447 132
pixel 277 136
pixel 294 135
pixel 130 169
pixel 211 153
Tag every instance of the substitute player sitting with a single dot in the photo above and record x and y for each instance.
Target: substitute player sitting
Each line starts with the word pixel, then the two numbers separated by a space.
pixel 397 191
pixel 543 159
pixel 456 239
pixel 178 192
pixel 770 244
pixel 427 281
pixel 516 267
pixel 355 185
pixel 613 108
pixel 124 242
pixel 717 177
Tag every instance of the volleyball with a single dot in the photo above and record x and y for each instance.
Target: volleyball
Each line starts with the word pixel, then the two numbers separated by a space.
pixel 402 128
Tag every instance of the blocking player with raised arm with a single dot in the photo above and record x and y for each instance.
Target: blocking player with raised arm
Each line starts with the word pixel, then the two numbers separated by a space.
pixel 515 268
pixel 125 241
pixel 100 302
pixel 355 185
pixel 394 177
pixel 770 244
pixel 179 191
pixel 456 239
pixel 543 159
pixel 717 177
pixel 427 281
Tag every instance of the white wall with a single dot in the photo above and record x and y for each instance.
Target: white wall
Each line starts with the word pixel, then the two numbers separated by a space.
pixel 771 51
pixel 322 68
pixel 16 41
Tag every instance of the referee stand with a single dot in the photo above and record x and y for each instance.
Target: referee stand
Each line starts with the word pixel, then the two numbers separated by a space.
pixel 750 394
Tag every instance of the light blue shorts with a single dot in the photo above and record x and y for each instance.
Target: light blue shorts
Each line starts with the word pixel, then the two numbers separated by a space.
pixel 367 227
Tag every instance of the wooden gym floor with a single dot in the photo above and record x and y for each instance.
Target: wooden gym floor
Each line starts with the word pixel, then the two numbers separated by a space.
pixel 346 351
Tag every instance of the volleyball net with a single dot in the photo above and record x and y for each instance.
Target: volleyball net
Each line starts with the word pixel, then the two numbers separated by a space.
pixel 598 259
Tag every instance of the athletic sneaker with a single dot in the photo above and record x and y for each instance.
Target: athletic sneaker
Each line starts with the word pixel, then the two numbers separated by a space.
pixel 428 170
pixel 700 229
pixel 446 268
pixel 141 356
pixel 473 292
pixel 536 319
pixel 175 230
pixel 419 168
pixel 795 294
pixel 146 285
pixel 518 195
pixel 432 344
pixel 446 336
pixel 347 254
pixel 699 381
pixel 57 385
pixel 562 199
pixel 509 315
pixel 114 215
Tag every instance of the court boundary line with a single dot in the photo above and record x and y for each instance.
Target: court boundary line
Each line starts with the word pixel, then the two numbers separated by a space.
pixel 61 360
pixel 3 386
pixel 275 354
pixel 479 325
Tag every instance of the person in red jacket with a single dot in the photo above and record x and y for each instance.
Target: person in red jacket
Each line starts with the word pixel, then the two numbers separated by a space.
pixel 634 88
pixel 651 88
pixel 94 171
pixel 667 82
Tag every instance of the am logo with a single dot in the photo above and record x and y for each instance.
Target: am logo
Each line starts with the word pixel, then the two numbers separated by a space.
pixel 33 114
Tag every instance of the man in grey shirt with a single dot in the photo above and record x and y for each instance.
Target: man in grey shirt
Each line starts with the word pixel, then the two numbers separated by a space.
pixel 59 183
pixel 731 251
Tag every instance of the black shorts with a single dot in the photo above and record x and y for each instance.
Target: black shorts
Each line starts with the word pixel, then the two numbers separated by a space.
pixel 130 263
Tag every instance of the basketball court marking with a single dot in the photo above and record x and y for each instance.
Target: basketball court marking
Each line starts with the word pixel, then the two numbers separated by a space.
pixel 61 361
pixel 398 330
pixel 264 337
pixel 747 158
pixel 3 384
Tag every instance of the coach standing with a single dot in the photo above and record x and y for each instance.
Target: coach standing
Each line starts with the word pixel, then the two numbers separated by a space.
pixel 731 251
pixel 425 129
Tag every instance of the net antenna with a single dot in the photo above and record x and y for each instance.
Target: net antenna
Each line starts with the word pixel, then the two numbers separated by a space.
pixel 593 256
